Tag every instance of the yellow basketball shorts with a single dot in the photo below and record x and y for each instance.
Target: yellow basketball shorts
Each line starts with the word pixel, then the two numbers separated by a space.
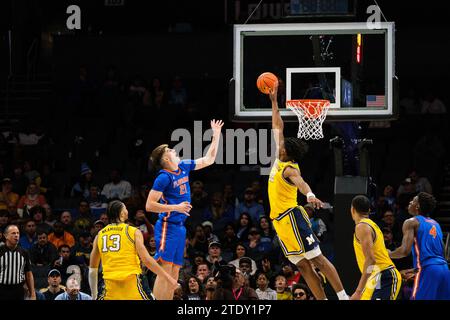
pixel 127 289
pixel 384 285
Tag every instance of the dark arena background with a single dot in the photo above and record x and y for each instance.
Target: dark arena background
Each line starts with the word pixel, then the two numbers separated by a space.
pixel 82 106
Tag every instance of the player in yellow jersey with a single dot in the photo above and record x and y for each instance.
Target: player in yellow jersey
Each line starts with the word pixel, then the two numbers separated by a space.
pixel 380 280
pixel 298 242
pixel 119 246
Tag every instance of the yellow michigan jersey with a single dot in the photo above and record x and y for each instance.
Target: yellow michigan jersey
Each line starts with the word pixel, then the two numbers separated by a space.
pixel 282 193
pixel 118 252
pixel 385 280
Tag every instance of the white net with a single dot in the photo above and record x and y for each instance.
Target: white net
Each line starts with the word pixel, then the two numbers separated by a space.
pixel 311 114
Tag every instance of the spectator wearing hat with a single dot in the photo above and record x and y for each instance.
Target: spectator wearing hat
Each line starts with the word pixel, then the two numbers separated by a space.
pixel 43 253
pixel 81 189
pixel 317 224
pixel 98 225
pixel 250 206
pixel 54 285
pixel 214 252
pixel 208 227
pixel 7 196
pixel 73 291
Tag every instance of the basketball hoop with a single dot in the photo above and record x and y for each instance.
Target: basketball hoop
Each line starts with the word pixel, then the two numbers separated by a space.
pixel 311 114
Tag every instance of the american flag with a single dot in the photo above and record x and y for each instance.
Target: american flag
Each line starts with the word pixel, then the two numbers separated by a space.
pixel 375 101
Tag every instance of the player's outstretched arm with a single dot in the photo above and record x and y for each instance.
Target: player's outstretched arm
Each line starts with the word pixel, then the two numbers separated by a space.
pixel 277 121
pixel 407 241
pixel 294 176
pixel 364 234
pixel 94 262
pixel 210 157
pixel 149 262
pixel 153 205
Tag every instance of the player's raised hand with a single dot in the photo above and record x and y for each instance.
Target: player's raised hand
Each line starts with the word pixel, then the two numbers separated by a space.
pixel 184 207
pixel 315 202
pixel 273 92
pixel 216 126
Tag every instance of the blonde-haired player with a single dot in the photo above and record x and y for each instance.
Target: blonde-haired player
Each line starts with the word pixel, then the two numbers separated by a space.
pixel 119 246
pixel 291 222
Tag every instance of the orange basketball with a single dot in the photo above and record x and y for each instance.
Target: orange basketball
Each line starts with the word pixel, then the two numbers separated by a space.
pixel 266 81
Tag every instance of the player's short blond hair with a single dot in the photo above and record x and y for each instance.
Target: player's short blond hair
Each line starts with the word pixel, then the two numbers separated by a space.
pixel 157 154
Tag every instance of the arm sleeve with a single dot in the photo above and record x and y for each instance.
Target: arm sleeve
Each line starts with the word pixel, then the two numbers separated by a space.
pixel 187 165
pixel 161 182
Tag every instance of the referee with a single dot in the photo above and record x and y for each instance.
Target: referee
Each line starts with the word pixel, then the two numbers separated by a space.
pixel 15 268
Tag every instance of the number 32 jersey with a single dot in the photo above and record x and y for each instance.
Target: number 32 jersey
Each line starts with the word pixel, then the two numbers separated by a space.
pixel 117 248
pixel 175 189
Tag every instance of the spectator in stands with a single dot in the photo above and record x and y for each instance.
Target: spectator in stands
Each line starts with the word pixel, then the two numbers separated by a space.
pixel 47 186
pixel 250 206
pixel 240 252
pixel 301 291
pixel 389 239
pixel 19 181
pixel 229 242
pixel 29 236
pixel 317 224
pixel 203 271
pixel 245 265
pixel 82 249
pixel 83 218
pixel 256 247
pixel 229 196
pixel 193 289
pixel 432 105
pixel 97 202
pixel 290 273
pixel 4 216
pixel 117 188
pixel 157 94
pixel 142 223
pixel 198 242
pixel 257 192
pixel 54 285
pixel 389 195
pixel 388 221
pixel 218 212
pixel 104 218
pixel 208 228
pixel 239 292
pixel 61 237
pixel 73 291
pixel 67 221
pixel 98 225
pixel 31 174
pixel 210 288
pixel 64 261
pixel 283 293
pixel 266 228
pixel 266 267
pixel 29 200
pixel 81 189
pixel 178 94
pixel 214 252
pixel 421 183
pixel 7 196
pixel 243 226
pixel 49 217
pixel 43 253
pixel 264 292
pixel 38 215
pixel 199 198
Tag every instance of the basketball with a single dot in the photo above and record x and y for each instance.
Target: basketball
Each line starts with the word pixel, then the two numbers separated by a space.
pixel 266 81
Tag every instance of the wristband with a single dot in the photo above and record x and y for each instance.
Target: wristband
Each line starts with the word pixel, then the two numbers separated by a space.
pixel 310 194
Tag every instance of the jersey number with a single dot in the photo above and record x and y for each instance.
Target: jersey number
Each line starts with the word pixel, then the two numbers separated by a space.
pixel 433 232
pixel 115 238
pixel 183 189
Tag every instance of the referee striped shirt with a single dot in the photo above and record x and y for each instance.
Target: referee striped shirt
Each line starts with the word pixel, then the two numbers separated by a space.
pixel 14 263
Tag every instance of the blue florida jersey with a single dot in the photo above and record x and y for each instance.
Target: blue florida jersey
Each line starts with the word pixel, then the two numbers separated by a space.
pixel 428 247
pixel 175 189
